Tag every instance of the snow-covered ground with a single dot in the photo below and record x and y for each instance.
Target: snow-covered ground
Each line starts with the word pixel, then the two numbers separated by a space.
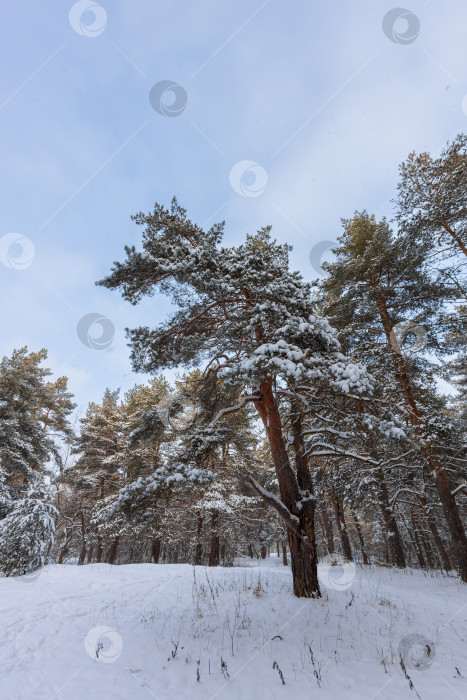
pixel 144 631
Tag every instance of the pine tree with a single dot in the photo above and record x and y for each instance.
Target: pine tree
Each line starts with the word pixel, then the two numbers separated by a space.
pixel 250 321
pixel 26 534
pixel 97 473
pixel 432 197
pixel 377 283
pixel 34 417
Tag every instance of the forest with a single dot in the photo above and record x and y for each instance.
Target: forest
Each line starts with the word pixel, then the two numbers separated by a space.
pixel 321 421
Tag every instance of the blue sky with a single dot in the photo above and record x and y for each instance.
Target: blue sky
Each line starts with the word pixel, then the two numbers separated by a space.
pixel 315 95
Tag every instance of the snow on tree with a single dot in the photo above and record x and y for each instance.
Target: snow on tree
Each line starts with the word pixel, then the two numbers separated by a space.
pixel 250 321
pixel 33 418
pixel 378 282
pixel 26 534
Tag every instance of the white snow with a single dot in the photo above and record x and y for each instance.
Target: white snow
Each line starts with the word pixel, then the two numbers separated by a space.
pixel 159 625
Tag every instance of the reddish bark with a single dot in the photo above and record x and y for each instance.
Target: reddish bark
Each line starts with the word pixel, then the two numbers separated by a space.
pixel 295 493
pixel 448 502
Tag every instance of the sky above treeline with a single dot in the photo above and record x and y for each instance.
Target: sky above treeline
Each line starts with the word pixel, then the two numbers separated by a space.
pixel 289 114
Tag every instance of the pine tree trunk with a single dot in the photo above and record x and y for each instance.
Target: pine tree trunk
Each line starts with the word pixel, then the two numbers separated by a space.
pixel 414 541
pixel 64 549
pixel 434 531
pixel 439 543
pixel 284 554
pixel 393 534
pixel 214 553
pixel 448 502
pixel 327 528
pixel 360 538
pixel 420 540
pixel 307 512
pixel 263 551
pixel 341 526
pixel 156 550
pixel 99 550
pixel 62 554
pixel 453 518
pixel 90 551
pixel 82 554
pixel 385 541
pixel 199 543
pixel 113 550
pixel 302 543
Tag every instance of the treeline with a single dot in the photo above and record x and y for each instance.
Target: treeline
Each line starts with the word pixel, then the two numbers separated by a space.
pixel 313 422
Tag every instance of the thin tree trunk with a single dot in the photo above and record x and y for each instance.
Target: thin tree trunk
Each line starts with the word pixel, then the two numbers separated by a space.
pixel 90 551
pixel 341 526
pixel 99 550
pixel 327 528
pixel 393 534
pixel 360 537
pixel 451 511
pixel 82 554
pixel 113 550
pixel 199 543
pixel 422 538
pixel 414 542
pixel 62 553
pixel 214 553
pixel 67 536
pixel 439 543
pixel 156 550
pixel 418 548
pixel 284 554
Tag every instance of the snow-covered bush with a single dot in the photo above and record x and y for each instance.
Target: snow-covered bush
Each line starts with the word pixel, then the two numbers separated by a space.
pixel 26 534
